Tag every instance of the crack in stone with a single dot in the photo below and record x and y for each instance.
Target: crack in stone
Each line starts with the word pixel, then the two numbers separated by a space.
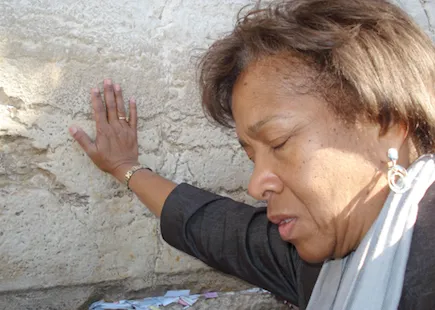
pixel 423 4
pixel 76 217
pixel 74 199
pixel 163 9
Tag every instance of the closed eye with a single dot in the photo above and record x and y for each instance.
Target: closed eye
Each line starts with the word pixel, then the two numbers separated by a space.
pixel 279 146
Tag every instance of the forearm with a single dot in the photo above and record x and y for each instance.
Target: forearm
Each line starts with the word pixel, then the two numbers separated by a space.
pixel 151 188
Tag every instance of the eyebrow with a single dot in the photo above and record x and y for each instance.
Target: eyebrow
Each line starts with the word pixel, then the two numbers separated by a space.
pixel 257 126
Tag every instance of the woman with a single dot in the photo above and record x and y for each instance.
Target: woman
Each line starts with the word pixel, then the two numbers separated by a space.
pixel 330 100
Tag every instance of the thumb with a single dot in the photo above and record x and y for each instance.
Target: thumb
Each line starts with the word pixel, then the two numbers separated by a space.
pixel 83 139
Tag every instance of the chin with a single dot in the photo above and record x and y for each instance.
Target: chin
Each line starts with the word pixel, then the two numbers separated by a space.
pixel 314 254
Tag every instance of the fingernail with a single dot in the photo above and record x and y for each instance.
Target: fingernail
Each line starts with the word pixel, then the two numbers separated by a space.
pixel 117 87
pixel 133 100
pixel 107 82
pixel 95 90
pixel 73 130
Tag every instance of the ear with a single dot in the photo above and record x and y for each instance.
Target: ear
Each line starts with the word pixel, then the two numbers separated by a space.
pixel 394 137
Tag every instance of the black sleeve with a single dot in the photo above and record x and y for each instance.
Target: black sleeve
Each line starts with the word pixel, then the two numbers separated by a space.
pixel 232 237
pixel 418 291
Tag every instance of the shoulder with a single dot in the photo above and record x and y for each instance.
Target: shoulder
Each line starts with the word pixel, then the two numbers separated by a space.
pixel 418 288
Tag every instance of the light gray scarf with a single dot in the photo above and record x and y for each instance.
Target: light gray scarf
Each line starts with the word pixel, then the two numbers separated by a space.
pixel 372 276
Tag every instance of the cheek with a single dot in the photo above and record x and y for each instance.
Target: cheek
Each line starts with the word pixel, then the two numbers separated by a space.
pixel 294 157
pixel 331 180
pixel 308 176
pixel 321 178
pixel 301 165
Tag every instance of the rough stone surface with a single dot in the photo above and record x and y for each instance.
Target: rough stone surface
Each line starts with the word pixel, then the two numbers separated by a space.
pixel 70 234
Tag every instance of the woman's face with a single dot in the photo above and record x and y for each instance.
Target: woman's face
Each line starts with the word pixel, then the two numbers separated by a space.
pixel 323 181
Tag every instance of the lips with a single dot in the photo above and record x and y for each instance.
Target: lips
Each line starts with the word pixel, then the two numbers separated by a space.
pixel 286 221
pixel 281 219
pixel 286 228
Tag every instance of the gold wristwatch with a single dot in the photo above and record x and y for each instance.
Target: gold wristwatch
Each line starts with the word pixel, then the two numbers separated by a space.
pixel 132 171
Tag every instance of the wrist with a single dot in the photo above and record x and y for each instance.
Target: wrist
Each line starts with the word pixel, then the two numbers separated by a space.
pixel 130 173
pixel 120 171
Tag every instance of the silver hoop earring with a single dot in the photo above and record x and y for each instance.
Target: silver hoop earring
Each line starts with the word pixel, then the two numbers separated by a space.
pixel 396 173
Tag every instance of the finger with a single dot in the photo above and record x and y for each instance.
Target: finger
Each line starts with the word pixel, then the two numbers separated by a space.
pixel 133 113
pixel 98 107
pixel 83 139
pixel 109 99
pixel 119 101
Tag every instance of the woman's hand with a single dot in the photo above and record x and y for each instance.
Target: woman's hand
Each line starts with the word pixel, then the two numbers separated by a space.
pixel 115 149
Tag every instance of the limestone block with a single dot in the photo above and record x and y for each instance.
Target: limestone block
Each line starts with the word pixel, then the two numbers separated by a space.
pixel 224 168
pixel 48 240
pixel 416 9
pixel 429 6
pixel 62 298
pixel 170 260
pixel 63 221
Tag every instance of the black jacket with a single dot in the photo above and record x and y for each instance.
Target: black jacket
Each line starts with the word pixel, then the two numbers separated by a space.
pixel 239 240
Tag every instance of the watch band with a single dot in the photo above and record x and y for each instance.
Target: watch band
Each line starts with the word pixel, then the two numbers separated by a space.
pixel 132 171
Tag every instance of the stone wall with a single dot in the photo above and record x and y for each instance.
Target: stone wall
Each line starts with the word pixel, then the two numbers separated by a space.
pixel 70 234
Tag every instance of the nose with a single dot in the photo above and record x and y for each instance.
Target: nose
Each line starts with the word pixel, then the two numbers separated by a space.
pixel 264 182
